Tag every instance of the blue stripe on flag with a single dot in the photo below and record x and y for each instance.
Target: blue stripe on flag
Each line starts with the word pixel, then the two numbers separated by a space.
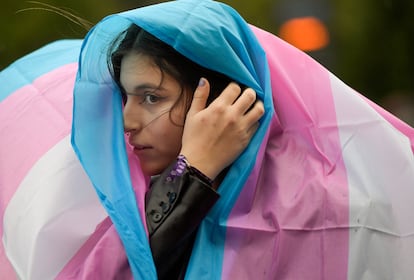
pixel 26 69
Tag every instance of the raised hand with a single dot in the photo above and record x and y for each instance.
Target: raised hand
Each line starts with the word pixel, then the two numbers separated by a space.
pixel 214 136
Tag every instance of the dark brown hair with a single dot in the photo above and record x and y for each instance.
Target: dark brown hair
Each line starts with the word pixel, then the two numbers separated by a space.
pixel 186 72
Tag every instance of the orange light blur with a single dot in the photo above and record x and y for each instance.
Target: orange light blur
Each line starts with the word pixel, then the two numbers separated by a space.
pixel 307 33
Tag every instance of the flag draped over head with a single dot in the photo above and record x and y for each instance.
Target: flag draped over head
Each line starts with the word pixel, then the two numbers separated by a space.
pixel 323 191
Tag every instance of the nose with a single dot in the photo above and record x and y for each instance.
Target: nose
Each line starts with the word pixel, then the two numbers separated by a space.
pixel 132 118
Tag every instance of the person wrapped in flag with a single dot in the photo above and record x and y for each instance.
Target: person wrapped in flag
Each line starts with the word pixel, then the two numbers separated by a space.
pixel 198 147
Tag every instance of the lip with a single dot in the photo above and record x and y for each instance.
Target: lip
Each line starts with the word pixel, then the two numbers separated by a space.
pixel 141 147
pixel 142 150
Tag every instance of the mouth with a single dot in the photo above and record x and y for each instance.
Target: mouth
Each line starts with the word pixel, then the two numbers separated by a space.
pixel 141 147
pixel 143 152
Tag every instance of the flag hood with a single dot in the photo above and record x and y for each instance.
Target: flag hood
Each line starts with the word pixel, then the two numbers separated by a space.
pixel 210 33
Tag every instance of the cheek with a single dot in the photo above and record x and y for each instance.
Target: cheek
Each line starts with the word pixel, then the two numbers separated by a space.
pixel 178 114
pixel 172 139
pixel 174 134
pixel 171 131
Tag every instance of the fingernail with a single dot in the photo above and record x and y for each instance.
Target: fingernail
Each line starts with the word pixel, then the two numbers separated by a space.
pixel 202 82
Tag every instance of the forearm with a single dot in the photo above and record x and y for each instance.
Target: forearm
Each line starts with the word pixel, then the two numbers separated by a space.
pixel 176 204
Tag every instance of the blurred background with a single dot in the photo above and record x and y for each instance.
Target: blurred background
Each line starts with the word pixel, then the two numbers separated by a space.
pixel 368 44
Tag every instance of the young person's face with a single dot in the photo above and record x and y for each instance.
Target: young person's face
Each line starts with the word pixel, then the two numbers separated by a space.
pixel 152 119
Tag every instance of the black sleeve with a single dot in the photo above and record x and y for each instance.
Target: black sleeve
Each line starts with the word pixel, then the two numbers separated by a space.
pixel 175 206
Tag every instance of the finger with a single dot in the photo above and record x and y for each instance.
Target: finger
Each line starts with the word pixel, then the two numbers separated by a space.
pixel 246 100
pixel 200 97
pixel 255 113
pixel 229 94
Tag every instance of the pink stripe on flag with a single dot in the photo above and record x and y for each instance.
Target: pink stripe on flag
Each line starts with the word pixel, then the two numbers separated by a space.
pixel 33 119
pixel 101 257
pixel 296 198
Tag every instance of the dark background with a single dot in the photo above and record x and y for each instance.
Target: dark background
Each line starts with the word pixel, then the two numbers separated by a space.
pixel 371 42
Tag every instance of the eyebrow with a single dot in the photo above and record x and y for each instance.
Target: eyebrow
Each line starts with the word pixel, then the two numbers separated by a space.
pixel 144 87
pixel 147 85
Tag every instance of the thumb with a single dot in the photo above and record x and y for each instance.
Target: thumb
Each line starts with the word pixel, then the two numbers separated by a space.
pixel 200 97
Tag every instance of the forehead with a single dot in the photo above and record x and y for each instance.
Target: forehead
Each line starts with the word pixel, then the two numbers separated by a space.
pixel 137 69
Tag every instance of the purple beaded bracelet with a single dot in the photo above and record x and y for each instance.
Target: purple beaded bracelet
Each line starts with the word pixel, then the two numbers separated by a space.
pixel 181 164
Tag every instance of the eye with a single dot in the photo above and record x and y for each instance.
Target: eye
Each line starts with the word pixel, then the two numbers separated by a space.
pixel 150 99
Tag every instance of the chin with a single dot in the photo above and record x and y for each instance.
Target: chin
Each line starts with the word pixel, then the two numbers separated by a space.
pixel 152 170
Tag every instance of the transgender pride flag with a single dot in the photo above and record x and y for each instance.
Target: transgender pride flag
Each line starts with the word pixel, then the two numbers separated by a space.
pixel 325 189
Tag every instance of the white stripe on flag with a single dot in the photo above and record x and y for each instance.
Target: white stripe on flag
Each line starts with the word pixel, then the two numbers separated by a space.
pixel 380 167
pixel 52 213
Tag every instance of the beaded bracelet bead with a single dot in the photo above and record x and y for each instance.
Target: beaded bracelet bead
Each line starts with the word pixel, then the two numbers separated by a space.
pixel 178 170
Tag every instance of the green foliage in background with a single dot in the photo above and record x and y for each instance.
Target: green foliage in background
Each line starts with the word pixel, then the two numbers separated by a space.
pixel 371 46
pixel 26 26
pixel 374 43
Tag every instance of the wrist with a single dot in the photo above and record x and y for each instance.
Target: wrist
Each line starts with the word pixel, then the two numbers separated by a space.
pixel 195 171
